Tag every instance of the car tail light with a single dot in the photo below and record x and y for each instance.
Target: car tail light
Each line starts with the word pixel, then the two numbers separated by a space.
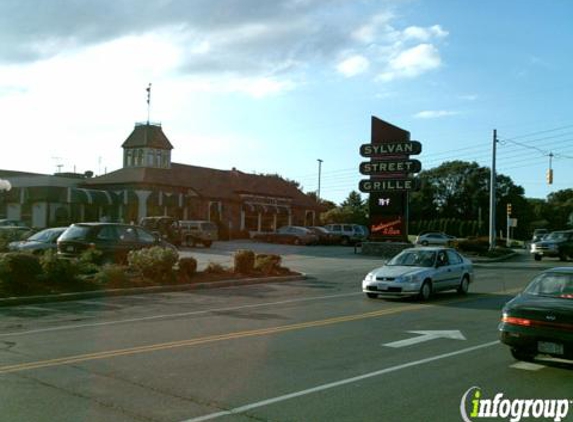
pixel 91 246
pixel 516 321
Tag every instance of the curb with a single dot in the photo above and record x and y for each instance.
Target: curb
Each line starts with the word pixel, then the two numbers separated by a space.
pixel 498 259
pixel 63 297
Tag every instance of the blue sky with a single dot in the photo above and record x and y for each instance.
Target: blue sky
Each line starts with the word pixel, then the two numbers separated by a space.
pixel 271 86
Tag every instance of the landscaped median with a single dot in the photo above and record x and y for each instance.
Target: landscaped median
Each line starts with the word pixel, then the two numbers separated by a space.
pixel 27 278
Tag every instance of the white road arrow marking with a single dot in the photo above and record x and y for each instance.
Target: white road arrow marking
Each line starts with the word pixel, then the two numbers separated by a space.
pixel 426 336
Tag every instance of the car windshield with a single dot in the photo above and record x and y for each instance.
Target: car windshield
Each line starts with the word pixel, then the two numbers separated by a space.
pixel 75 232
pixel 414 259
pixel 44 236
pixel 555 236
pixel 552 285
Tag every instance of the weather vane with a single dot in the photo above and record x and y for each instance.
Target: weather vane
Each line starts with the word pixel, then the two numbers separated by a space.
pixel 148 89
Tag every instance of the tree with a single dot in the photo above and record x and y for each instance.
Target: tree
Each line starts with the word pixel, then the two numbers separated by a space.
pixel 352 210
pixel 559 211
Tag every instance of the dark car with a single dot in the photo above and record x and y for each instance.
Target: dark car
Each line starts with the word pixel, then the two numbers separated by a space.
pixel 555 244
pixel 540 319
pixel 39 242
pixel 325 236
pixel 113 240
pixel 12 222
pixel 290 234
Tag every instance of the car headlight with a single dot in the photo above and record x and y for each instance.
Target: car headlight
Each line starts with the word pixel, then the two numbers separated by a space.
pixel 410 279
pixel 370 277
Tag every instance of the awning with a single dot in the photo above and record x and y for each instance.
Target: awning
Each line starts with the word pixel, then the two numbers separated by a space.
pixel 92 196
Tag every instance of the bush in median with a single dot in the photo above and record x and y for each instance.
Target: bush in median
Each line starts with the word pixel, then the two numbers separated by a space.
pixel 155 263
pixel 19 272
pixel 244 261
pixel 268 264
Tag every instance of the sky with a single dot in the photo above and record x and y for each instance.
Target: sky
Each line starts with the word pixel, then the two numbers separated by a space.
pixel 274 86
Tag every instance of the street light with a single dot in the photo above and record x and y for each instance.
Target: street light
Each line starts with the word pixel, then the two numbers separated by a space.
pixel 319 171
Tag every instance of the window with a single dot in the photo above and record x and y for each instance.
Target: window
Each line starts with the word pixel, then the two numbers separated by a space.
pixel 454 258
pixel 144 236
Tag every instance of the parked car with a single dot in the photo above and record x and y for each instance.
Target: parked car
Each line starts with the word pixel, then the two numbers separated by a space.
pixel 539 234
pixel 325 237
pixel 113 240
pixel 163 226
pixel 13 233
pixel 420 272
pixel 540 319
pixel 295 235
pixel 435 238
pixel 195 232
pixel 39 242
pixel 12 222
pixel 555 244
pixel 349 233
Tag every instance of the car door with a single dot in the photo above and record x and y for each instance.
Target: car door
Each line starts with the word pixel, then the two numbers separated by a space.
pixel 456 268
pixel 442 279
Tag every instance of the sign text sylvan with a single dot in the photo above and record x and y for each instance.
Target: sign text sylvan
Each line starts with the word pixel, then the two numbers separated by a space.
pixel 394 148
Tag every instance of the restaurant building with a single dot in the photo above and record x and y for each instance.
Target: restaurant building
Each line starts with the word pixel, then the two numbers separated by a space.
pixel 150 184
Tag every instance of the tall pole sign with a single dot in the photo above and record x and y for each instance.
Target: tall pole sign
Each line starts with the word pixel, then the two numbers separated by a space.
pixel 391 178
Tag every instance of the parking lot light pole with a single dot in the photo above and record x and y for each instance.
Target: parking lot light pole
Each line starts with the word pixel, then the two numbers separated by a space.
pixel 319 172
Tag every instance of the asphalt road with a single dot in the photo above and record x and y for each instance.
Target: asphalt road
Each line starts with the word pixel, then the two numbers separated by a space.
pixel 312 350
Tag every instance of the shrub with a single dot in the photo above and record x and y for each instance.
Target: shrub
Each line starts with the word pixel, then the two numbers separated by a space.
pixel 268 264
pixel 58 271
pixel 155 263
pixel 187 267
pixel 479 246
pixel 112 275
pixel 19 272
pixel 244 261
pixel 215 268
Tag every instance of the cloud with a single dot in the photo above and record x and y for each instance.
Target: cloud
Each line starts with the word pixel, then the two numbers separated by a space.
pixel 412 62
pixel 424 34
pixel 353 66
pixel 434 114
pixel 469 97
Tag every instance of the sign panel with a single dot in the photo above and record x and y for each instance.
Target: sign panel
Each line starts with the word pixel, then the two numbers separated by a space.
pixel 390 167
pixel 391 148
pixel 387 185
pixel 384 226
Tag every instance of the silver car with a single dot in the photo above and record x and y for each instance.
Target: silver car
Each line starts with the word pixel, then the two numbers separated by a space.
pixel 435 238
pixel 420 272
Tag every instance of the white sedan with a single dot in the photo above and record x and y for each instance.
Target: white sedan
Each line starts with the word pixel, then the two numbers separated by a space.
pixel 420 272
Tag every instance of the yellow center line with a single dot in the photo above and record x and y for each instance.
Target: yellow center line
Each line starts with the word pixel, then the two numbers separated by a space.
pixel 218 337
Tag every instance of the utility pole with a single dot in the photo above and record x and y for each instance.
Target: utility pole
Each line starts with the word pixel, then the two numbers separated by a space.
pixel 492 186
pixel 319 171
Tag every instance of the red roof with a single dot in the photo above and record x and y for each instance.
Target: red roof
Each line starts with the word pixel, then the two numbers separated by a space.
pixel 207 182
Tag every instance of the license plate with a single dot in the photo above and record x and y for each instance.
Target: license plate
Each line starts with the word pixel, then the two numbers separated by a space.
pixel 382 287
pixel 69 249
pixel 548 347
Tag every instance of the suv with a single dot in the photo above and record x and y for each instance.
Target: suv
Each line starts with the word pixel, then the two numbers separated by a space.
pixel 555 244
pixel 198 231
pixel 349 233
pixel 538 234
pixel 113 240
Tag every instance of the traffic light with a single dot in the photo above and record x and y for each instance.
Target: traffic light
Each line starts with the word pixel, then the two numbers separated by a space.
pixel 508 209
pixel 549 176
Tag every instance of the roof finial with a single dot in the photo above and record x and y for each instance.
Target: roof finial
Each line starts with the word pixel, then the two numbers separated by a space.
pixel 148 89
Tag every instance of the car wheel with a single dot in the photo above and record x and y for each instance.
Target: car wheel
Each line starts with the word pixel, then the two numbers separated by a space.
pixel 464 286
pixel 296 241
pixel 345 241
pixel 537 257
pixel 424 243
pixel 520 354
pixel 562 257
pixel 426 290
pixel 372 295
pixel 207 244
